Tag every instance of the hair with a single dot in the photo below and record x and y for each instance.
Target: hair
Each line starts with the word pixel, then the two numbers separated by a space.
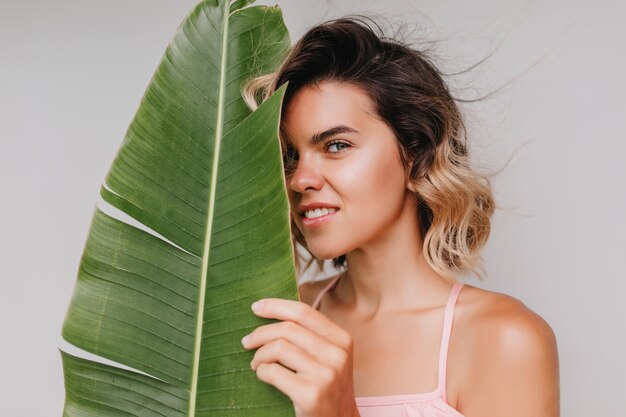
pixel 454 202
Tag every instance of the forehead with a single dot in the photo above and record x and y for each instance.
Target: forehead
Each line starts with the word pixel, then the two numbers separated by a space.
pixel 319 107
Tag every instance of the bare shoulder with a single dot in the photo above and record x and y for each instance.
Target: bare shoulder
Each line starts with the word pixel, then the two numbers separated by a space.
pixel 309 290
pixel 509 348
pixel 502 317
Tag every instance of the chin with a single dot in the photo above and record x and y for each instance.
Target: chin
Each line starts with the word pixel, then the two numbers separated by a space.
pixel 324 253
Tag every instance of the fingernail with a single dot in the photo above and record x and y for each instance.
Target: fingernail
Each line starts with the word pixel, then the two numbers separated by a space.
pixel 257 305
pixel 245 340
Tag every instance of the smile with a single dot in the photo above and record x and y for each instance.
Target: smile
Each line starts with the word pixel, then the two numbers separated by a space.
pixel 320 220
pixel 309 214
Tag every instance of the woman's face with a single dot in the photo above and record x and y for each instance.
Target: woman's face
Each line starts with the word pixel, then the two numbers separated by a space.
pixel 356 170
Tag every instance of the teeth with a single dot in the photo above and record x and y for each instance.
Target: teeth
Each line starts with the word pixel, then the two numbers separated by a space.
pixel 311 214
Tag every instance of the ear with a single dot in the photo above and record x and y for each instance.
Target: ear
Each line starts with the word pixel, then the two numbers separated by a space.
pixel 407 176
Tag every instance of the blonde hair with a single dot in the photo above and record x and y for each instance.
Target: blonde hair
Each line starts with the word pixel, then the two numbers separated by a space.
pixel 455 202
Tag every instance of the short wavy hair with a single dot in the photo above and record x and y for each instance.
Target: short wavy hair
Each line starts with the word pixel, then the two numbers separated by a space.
pixel 454 202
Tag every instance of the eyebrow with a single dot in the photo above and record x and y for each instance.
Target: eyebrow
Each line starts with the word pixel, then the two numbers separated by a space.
pixel 320 136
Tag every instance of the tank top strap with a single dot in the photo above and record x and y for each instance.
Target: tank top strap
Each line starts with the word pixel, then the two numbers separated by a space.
pixel 325 290
pixel 445 338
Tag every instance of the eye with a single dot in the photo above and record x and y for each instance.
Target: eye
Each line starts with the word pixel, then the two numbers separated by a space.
pixel 337 143
pixel 290 153
pixel 289 159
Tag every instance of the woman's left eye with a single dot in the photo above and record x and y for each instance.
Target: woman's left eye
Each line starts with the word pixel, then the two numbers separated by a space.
pixel 336 143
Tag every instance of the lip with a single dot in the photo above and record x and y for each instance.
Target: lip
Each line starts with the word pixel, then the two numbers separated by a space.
pixel 312 206
pixel 318 221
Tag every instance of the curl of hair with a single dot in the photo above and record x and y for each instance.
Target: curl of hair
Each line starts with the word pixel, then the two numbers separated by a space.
pixel 455 202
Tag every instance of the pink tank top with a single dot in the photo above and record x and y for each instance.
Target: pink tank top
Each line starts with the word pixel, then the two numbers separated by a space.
pixel 426 404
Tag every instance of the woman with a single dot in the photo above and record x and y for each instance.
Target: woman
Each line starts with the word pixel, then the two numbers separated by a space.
pixel 378 180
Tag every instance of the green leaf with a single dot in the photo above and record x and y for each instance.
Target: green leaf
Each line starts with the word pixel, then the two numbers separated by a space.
pixel 204 176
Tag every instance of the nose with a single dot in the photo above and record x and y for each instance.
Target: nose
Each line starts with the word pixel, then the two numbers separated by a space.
pixel 306 176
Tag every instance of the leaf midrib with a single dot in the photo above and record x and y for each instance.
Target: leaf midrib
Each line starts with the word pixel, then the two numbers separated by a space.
pixel 212 190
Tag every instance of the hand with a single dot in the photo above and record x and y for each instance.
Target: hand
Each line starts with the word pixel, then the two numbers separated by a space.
pixel 306 356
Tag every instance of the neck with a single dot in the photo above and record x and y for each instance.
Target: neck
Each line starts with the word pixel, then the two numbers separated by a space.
pixel 390 274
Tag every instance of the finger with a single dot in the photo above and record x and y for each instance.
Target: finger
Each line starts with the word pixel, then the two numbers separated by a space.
pixel 286 354
pixel 320 349
pixel 306 316
pixel 286 381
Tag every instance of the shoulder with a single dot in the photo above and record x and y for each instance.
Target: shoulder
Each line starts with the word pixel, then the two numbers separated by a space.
pixel 509 348
pixel 504 320
pixel 310 290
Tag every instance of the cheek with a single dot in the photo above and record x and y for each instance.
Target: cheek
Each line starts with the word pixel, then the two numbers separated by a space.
pixel 373 183
pixel 291 198
pixel 373 191
pixel 293 210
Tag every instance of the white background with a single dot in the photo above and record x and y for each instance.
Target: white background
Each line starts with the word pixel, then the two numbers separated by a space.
pixel 72 74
